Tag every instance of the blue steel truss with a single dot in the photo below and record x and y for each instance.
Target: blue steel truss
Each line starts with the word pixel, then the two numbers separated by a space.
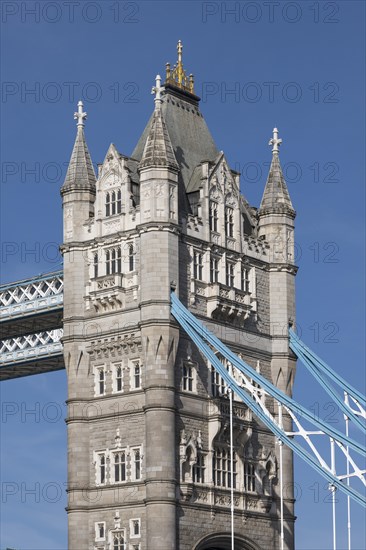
pixel 31 296
pixel 31 326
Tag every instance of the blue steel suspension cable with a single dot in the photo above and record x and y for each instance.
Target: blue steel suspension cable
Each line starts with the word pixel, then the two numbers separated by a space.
pixel 282 436
pixel 272 390
pixel 356 394
pixel 318 375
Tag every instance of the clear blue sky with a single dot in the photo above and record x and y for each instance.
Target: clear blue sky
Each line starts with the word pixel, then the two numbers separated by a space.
pixel 297 65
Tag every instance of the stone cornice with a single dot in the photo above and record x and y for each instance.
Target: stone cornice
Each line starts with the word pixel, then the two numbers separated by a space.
pixel 289 268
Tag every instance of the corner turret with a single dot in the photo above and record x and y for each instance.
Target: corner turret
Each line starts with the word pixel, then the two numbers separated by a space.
pixel 79 188
pixel 276 213
pixel 158 170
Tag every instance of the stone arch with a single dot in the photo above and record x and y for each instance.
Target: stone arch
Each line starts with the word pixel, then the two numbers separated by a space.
pixel 222 541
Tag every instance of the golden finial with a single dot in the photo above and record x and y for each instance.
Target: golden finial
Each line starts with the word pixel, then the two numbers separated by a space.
pixel 180 49
pixel 177 76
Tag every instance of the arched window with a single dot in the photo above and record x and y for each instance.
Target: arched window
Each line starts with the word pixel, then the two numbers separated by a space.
pixel 131 258
pixel 107 205
pixel 223 542
pixel 95 264
pixel 108 262
pixel 119 541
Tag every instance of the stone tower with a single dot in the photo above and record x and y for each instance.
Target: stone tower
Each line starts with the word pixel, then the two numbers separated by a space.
pixel 148 439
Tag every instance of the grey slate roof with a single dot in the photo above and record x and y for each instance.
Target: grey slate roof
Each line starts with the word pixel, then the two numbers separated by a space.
pixel 80 172
pixel 276 197
pixel 190 138
pixel 158 150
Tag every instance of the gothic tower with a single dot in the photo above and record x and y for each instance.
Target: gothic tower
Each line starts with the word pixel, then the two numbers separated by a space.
pixel 148 439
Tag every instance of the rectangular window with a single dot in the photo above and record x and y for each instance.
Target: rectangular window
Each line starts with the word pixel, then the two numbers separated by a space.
pixel 136 375
pixel 245 279
pixel 214 270
pixel 99 381
pixel 249 477
pixel 107 205
pixel 198 470
pixel 218 386
pixel 95 265
pixel 118 378
pixel 187 378
pixel 131 258
pixel 119 460
pixel 101 468
pixel 213 216
pixel 113 261
pixel 135 528
pixel 113 203
pixel 197 266
pixel 119 260
pixel 229 222
pixel 108 262
pixel 119 202
pixel 230 279
pixel 100 530
pixel 222 468
pixel 136 464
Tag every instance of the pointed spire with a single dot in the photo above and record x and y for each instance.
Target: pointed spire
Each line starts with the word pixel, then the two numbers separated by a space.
pixel 80 173
pixel 158 150
pixel 276 197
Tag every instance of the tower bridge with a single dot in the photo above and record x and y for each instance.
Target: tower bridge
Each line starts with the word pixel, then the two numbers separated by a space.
pixel 163 254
